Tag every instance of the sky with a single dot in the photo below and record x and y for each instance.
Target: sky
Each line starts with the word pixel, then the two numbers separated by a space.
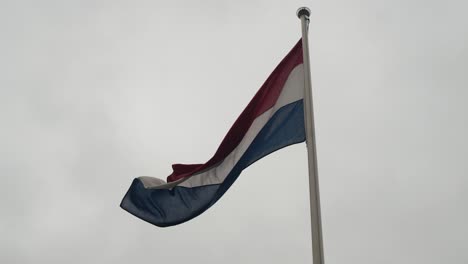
pixel 95 93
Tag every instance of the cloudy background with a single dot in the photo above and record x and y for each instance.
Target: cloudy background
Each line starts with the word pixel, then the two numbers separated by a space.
pixel 95 93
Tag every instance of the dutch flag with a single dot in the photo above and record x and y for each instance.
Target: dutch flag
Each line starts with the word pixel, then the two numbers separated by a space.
pixel 273 119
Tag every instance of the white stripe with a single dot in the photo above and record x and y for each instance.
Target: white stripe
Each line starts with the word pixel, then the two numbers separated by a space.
pixel 292 91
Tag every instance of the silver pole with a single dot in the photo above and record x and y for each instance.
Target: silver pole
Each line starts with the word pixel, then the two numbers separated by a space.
pixel 315 218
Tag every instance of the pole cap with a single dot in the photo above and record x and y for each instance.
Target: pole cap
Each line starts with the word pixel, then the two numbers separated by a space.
pixel 303 11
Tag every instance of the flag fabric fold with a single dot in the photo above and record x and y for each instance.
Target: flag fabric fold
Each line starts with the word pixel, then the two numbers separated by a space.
pixel 273 119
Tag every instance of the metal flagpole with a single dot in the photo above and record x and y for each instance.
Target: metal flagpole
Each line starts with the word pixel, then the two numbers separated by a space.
pixel 315 218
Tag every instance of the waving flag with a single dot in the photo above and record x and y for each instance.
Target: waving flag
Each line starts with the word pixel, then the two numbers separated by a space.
pixel 273 119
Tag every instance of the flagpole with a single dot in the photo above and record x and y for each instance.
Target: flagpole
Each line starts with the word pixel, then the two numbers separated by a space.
pixel 315 218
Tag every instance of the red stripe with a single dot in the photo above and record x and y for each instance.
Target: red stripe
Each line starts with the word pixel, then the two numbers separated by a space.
pixel 263 100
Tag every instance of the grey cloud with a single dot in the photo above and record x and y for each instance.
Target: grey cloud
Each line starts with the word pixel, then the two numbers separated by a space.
pixel 94 93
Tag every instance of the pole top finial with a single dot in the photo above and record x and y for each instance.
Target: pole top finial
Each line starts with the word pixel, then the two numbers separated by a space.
pixel 303 11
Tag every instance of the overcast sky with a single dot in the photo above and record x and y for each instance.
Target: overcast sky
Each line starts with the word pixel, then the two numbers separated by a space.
pixel 95 93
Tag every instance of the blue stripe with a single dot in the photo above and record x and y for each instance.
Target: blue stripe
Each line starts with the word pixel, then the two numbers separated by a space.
pixel 164 207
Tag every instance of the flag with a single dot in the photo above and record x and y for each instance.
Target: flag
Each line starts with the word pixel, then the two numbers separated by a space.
pixel 273 119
